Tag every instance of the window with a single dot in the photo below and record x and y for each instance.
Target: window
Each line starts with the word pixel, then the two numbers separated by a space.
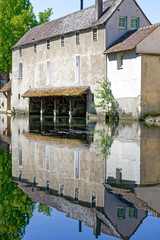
pixel 48 44
pixel 20 52
pixel 120 61
pixel 19 96
pixel 120 213
pixel 76 194
pixel 61 190
pixel 76 165
pixel 132 213
pixel 20 74
pixel 95 35
pixel 93 200
pixel 123 22
pixel 20 156
pixel 77 39
pixel 47 157
pixel 77 69
pixel 35 47
pixel 134 23
pixel 48 73
pixel 62 41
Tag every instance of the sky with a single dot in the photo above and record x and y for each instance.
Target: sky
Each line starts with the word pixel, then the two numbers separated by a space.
pixel 63 7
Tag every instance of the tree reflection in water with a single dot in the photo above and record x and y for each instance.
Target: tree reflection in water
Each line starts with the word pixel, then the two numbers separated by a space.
pixel 16 208
pixel 106 138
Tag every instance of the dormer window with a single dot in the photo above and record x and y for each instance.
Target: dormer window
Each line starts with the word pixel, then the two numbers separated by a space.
pixel 62 41
pixel 134 23
pixel 95 35
pixel 123 22
pixel 48 43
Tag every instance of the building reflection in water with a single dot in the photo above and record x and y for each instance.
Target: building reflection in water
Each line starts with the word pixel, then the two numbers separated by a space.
pixel 63 166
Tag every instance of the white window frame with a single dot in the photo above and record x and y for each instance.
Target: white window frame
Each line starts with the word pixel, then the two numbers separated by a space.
pixel 20 70
pixel 77 70
pixel 119 60
pixel 77 165
pixel 20 157
pixel 48 158
pixel 47 72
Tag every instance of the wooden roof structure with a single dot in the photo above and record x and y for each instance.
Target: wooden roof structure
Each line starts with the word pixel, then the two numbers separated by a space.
pixel 53 92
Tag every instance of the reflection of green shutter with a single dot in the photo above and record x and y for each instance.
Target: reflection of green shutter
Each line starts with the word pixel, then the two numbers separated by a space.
pixel 120 213
pixel 133 213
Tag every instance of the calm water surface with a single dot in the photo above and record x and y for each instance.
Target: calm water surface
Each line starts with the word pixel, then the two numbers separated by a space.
pixel 78 180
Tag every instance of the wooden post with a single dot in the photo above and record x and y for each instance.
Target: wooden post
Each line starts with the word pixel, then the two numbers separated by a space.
pixel 41 114
pixel 41 111
pixel 70 108
pixel 55 108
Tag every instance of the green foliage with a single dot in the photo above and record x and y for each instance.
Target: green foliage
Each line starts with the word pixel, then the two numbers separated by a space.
pixel 45 16
pixel 16 18
pixel 46 210
pixel 107 101
pixel 106 138
pixel 16 208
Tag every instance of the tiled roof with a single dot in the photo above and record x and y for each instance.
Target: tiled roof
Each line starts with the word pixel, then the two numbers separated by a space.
pixel 130 40
pixel 63 91
pixel 83 19
pixel 6 88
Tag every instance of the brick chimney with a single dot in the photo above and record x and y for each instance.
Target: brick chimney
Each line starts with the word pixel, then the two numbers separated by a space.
pixel 99 8
pixel 81 5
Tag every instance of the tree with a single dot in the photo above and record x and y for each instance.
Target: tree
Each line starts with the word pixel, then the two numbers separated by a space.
pixel 16 18
pixel 107 101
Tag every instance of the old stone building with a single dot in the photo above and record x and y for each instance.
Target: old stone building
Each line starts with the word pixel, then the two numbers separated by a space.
pixel 56 65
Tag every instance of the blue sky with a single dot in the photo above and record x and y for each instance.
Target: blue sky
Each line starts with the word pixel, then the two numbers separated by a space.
pixel 63 7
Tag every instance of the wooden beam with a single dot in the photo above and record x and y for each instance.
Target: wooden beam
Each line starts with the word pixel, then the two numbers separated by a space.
pixel 83 98
pixel 5 95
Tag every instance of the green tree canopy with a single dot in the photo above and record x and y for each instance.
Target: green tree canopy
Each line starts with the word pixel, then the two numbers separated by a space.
pixel 16 18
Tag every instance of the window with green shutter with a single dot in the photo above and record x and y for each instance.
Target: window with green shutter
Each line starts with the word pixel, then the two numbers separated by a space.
pixel 134 23
pixel 123 22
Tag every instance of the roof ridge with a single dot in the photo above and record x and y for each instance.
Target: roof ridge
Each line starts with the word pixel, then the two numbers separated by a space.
pixel 149 26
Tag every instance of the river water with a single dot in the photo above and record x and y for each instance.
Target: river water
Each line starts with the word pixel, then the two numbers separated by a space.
pixel 78 180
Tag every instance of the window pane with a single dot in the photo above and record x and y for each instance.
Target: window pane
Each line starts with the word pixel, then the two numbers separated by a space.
pixel 122 22
pixel 120 213
pixel 20 70
pixel 134 23
pixel 77 69
pixel 48 73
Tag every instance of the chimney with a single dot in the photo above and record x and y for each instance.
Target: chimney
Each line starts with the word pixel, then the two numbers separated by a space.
pixel 81 7
pixel 99 8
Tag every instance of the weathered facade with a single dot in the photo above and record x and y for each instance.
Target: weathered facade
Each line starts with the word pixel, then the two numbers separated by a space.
pixel 68 52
